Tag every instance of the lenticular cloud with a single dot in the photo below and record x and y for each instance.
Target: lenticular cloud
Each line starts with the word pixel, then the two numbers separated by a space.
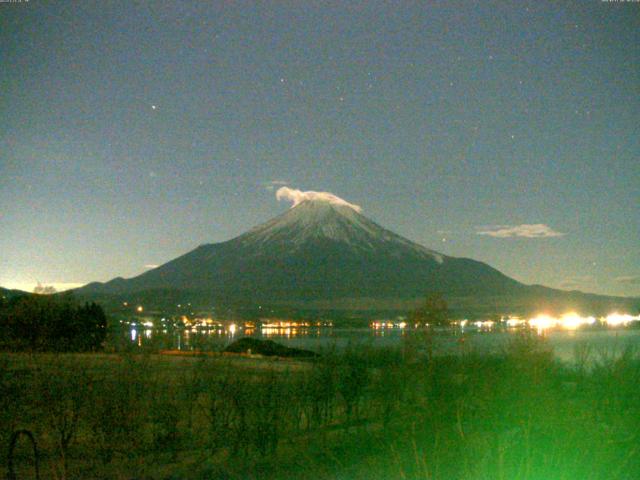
pixel 538 230
pixel 298 196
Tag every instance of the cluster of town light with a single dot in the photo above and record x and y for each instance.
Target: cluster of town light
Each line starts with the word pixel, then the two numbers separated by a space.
pixel 541 322
pixel 387 324
pixel 573 321
pixel 267 328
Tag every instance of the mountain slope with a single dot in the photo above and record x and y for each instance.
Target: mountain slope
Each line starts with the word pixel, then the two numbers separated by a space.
pixel 315 252
pixel 8 294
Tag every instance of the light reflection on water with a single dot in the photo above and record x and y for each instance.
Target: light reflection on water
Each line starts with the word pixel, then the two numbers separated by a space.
pixel 565 343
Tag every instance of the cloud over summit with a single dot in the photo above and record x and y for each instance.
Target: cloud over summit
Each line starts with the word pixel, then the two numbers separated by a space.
pixel 297 196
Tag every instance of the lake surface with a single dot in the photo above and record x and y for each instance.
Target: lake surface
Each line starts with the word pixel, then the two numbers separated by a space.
pixel 567 345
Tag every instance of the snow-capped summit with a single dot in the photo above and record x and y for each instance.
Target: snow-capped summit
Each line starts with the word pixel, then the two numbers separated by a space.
pixel 318 219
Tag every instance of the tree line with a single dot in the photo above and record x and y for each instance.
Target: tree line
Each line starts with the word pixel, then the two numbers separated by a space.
pixel 51 323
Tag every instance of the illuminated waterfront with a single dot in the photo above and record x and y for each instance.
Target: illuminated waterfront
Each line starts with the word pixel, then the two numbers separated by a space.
pixel 566 334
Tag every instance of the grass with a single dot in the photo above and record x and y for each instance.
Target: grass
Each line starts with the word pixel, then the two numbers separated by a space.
pixel 362 413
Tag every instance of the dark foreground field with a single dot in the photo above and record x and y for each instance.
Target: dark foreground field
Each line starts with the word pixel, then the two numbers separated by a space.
pixel 359 414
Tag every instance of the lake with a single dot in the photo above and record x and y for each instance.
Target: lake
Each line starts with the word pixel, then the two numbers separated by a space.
pixel 598 343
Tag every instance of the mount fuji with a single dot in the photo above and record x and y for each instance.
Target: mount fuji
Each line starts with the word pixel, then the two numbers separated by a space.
pixel 324 254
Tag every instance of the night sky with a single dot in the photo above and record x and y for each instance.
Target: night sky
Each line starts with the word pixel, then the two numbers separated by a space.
pixel 132 133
